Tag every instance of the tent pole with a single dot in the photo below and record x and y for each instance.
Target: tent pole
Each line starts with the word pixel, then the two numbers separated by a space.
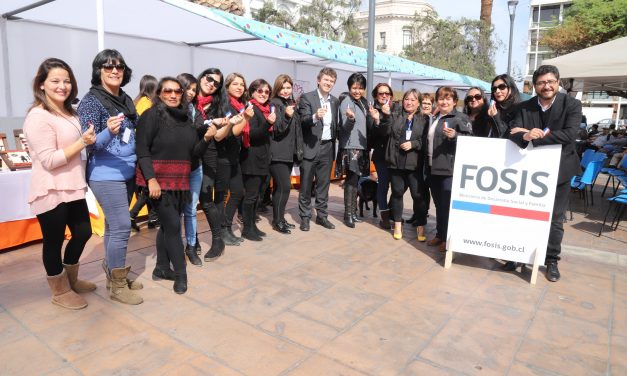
pixel 192 63
pixel 6 77
pixel 370 73
pixel 100 23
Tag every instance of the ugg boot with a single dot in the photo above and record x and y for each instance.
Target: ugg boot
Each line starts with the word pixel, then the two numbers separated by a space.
pixel 133 285
pixel 348 206
pixel 385 219
pixel 62 293
pixel 217 244
pixel 78 285
pixel 119 287
pixel 248 232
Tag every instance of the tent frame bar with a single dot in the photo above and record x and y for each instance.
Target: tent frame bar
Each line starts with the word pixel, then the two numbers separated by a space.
pixel 12 13
pixel 197 44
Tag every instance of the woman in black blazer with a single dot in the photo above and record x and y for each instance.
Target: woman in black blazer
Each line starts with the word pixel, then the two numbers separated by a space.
pixel 255 153
pixel 405 161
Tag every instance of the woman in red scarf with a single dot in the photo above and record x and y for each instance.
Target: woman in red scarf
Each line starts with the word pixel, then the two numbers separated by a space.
pixel 255 153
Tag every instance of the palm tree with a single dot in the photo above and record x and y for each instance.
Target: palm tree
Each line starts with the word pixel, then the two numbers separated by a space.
pixel 486 12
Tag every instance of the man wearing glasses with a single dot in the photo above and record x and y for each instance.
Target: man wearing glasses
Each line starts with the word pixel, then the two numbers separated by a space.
pixel 318 114
pixel 551 118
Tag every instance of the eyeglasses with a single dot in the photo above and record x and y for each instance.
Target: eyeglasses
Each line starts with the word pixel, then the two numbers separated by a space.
pixel 500 87
pixel 263 91
pixel 384 93
pixel 168 90
pixel 476 97
pixel 547 82
pixel 426 104
pixel 109 67
pixel 212 80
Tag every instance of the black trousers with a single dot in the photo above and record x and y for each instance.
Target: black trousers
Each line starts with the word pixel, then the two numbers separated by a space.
pixel 169 242
pixel 252 188
pixel 554 245
pixel 228 179
pixel 441 192
pixel 75 216
pixel 142 199
pixel 281 176
pixel 320 168
pixel 401 180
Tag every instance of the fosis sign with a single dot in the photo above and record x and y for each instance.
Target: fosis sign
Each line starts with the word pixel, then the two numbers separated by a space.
pixel 502 199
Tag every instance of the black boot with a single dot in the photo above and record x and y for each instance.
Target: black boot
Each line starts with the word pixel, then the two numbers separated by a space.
pixel 197 246
pixel 354 203
pixel 248 216
pixel 385 219
pixel 348 206
pixel 190 252
pixel 217 244
pixel 257 230
pixel 180 283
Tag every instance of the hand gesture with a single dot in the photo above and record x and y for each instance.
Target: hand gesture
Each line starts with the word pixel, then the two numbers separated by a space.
pixel 406 146
pixel 289 111
pixel 321 112
pixel 236 119
pixel 533 134
pixel 210 133
pixel 518 130
pixel 386 108
pixel 492 111
pixel 449 132
pixel 374 113
pixel 271 118
pixel 154 189
pixel 219 122
pixel 114 123
pixel 350 114
pixel 249 112
pixel 89 136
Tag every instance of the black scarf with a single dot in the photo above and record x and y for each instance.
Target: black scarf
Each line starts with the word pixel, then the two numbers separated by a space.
pixel 115 104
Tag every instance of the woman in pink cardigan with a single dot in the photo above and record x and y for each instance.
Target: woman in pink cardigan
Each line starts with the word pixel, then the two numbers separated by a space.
pixel 57 190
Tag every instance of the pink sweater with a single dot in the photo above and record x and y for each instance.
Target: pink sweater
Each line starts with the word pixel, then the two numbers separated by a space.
pixel 54 179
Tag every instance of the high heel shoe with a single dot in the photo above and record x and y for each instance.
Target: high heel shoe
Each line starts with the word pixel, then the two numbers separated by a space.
pixel 398 230
pixel 420 234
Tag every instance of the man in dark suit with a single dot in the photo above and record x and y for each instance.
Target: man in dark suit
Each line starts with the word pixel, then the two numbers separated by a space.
pixel 318 114
pixel 551 118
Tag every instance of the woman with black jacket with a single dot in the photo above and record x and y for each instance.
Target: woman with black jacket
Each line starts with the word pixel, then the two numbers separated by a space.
pixel 167 143
pixel 286 146
pixel 405 161
pixel 505 99
pixel 476 108
pixel 441 146
pixel 255 153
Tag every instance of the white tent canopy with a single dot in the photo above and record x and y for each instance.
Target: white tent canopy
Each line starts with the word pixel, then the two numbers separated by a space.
pixel 163 37
pixel 598 68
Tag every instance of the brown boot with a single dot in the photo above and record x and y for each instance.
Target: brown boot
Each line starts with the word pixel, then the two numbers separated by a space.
pixel 119 287
pixel 62 294
pixel 133 285
pixel 78 285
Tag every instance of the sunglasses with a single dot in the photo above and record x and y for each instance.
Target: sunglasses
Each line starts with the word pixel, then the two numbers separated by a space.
pixel 263 91
pixel 170 91
pixel 384 93
pixel 109 67
pixel 212 80
pixel 476 97
pixel 500 87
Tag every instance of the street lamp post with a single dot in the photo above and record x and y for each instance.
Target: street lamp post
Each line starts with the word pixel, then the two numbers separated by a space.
pixel 511 7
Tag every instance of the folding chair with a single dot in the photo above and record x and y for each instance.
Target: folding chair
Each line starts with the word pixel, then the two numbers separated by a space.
pixel 612 173
pixel 581 183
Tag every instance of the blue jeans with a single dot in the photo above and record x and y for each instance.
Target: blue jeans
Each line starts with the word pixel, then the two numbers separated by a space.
pixel 383 184
pixel 114 199
pixel 189 210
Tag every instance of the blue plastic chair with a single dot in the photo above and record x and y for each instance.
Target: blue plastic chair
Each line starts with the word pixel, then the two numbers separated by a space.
pixel 620 202
pixel 613 174
pixel 586 158
pixel 581 183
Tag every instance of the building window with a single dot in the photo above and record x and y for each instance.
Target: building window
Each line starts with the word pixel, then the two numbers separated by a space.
pixel 408 38
pixel 382 44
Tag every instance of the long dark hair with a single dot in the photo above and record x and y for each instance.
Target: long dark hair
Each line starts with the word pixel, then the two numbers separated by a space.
pixel 219 104
pixel 147 88
pixel 514 94
pixel 104 57
pixel 230 78
pixel 278 85
pixel 39 96
pixel 188 80
pixel 162 107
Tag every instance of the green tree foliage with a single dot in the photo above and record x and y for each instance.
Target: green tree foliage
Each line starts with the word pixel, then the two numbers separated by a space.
pixel 464 46
pixel 588 23
pixel 329 19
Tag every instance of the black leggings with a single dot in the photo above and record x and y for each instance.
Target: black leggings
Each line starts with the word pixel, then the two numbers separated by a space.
pixel 281 176
pixel 400 180
pixel 352 179
pixel 228 179
pixel 75 215
pixel 169 241
pixel 252 187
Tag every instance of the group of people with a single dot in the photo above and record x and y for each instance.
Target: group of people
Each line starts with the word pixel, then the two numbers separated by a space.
pixel 214 139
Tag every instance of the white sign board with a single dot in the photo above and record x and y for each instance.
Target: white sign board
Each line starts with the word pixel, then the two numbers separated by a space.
pixel 502 199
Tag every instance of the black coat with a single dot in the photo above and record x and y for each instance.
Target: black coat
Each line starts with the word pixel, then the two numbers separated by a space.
pixel 394 128
pixel 564 121
pixel 255 160
pixel 286 144
pixel 312 132
pixel 443 158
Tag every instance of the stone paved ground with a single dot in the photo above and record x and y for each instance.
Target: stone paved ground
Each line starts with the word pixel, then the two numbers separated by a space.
pixel 341 302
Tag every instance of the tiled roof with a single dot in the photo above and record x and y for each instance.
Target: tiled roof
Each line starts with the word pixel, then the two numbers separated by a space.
pixel 231 6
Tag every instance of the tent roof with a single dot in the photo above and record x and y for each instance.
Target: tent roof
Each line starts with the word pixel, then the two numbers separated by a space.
pixel 180 21
pixel 602 67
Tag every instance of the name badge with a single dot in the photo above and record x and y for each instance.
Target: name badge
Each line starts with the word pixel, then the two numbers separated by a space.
pixel 84 155
pixel 126 136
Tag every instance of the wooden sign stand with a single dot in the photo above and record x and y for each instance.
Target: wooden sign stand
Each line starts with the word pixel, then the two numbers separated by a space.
pixel 448 261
